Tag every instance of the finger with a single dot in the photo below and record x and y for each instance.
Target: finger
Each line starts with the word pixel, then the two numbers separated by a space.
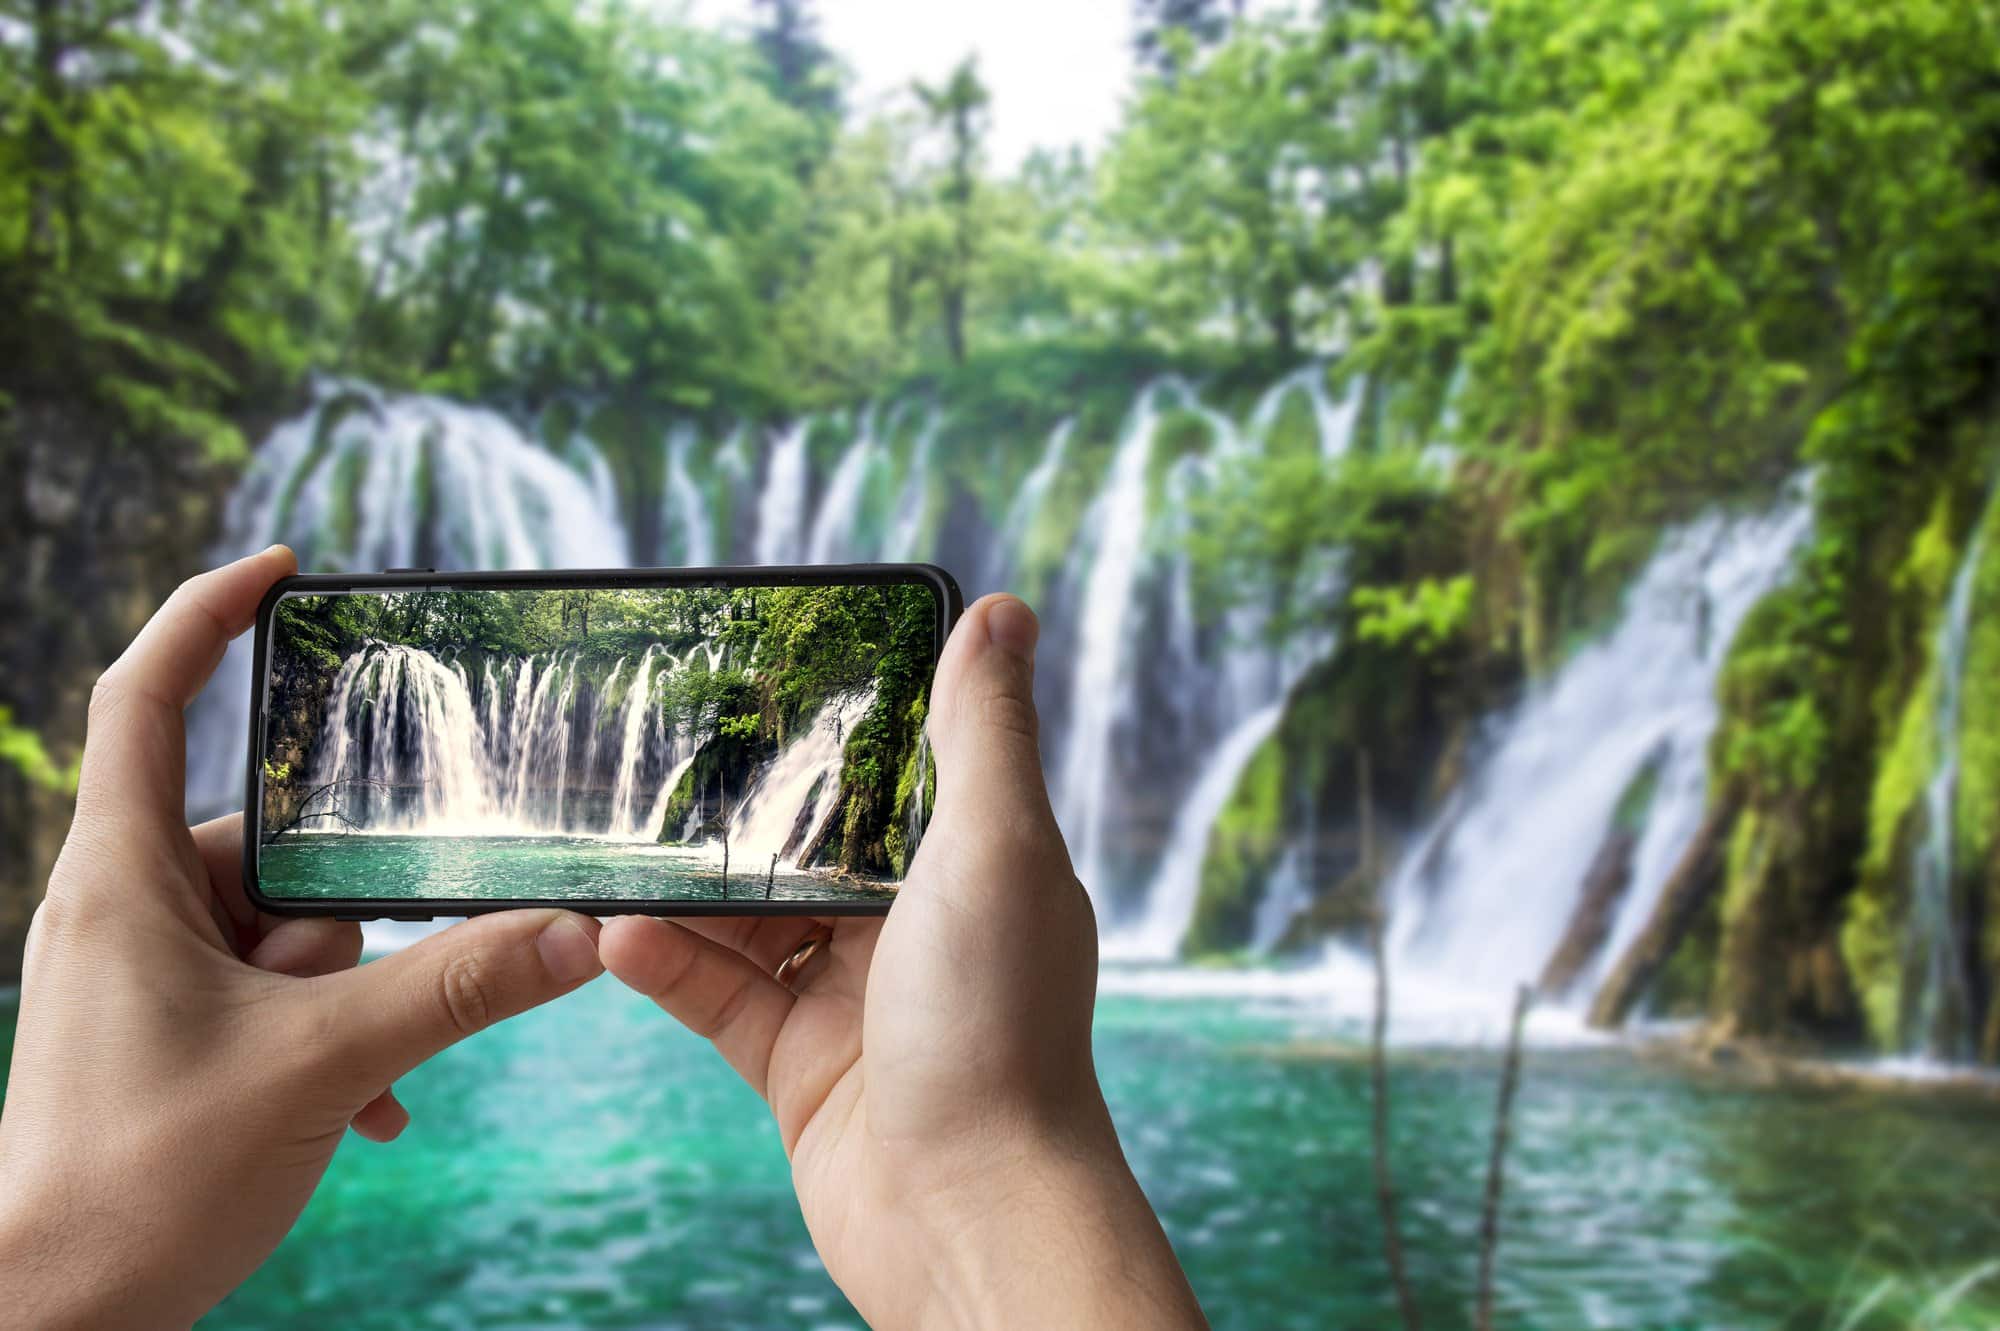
pixel 764 940
pixel 712 990
pixel 396 1012
pixel 220 844
pixel 306 948
pixel 983 726
pixel 134 753
pixel 382 1119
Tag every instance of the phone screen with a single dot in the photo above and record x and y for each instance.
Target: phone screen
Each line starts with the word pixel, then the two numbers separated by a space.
pixel 721 742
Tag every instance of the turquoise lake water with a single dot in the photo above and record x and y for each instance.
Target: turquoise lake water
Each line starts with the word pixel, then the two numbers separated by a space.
pixel 591 1165
pixel 526 868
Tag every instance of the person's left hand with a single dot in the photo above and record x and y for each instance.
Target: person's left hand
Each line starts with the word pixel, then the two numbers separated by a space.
pixel 184 1065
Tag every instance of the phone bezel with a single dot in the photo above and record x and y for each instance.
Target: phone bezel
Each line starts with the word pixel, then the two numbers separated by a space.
pixel 950 603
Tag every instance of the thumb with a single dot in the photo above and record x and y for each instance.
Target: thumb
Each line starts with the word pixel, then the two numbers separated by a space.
pixel 984 728
pixel 400 1010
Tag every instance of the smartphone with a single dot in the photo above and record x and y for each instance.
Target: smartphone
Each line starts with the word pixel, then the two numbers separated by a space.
pixel 660 741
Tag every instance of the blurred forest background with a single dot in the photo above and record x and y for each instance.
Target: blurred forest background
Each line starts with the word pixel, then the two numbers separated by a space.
pixel 1579 415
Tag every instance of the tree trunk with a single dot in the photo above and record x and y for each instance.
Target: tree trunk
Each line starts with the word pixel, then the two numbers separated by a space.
pixel 48 159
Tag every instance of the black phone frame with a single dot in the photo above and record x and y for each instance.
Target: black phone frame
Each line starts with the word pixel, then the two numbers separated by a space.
pixel 950 603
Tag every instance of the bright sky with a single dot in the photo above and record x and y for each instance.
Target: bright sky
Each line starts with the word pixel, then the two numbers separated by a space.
pixel 1058 69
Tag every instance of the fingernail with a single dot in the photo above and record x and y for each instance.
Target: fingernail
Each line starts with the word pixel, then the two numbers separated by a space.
pixel 1012 627
pixel 568 951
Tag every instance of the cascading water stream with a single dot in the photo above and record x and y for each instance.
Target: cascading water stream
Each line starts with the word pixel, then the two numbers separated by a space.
pixel 365 479
pixel 781 514
pixel 340 484
pixel 632 727
pixel 1481 901
pixel 687 534
pixel 1170 904
pixel 1017 524
pixel 1940 1022
pixel 834 527
pixel 784 807
pixel 906 527
pixel 1118 518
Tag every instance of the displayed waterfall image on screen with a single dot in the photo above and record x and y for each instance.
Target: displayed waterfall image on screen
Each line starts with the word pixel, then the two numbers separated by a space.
pixel 680 744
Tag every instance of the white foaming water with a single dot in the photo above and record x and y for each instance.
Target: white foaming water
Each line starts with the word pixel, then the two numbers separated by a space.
pixel 407 748
pixel 781 514
pixel 798 789
pixel 906 527
pixel 632 728
pixel 1118 518
pixel 1480 902
pixel 1019 521
pixel 1239 694
pixel 833 530
pixel 1170 902
pixel 1941 1024
pixel 687 535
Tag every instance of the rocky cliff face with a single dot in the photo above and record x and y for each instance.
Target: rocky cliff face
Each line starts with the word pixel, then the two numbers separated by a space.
pixel 104 526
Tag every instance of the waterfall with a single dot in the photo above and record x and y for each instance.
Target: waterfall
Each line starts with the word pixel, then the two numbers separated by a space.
pixel 408 749
pixel 798 789
pixel 781 515
pixel 632 726
pixel 920 793
pixel 685 513
pixel 1170 903
pixel 833 528
pixel 1481 900
pixel 1118 517
pixel 1941 1022
pixel 1333 421
pixel 364 481
pixel 1004 553
pixel 404 748
pixel 906 528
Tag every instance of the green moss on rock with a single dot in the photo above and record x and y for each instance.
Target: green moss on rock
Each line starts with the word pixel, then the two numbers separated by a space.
pixel 1243 847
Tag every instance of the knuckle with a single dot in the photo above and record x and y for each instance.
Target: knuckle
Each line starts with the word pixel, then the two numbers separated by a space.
pixel 1007 712
pixel 107 694
pixel 719 1018
pixel 55 923
pixel 466 993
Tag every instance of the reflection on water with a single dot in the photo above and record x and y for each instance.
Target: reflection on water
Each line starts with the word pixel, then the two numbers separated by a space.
pixel 628 1179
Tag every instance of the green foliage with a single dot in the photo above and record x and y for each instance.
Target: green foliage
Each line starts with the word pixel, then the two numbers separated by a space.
pixel 1427 615
pixel 22 750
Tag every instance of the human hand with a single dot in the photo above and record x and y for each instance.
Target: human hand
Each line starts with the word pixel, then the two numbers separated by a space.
pixel 932 1081
pixel 184 1065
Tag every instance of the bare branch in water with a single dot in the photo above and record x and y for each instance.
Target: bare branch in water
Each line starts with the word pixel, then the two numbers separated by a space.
pixel 1496 1165
pixel 1378 1056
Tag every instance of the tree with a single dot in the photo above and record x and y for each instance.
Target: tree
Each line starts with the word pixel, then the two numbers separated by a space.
pixel 1200 23
pixel 958 108
pixel 1227 179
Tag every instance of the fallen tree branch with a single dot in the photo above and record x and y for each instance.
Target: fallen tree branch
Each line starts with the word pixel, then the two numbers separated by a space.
pixel 1687 890
pixel 305 813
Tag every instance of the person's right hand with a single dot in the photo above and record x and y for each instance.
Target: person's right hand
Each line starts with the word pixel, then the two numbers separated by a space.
pixel 932 1081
